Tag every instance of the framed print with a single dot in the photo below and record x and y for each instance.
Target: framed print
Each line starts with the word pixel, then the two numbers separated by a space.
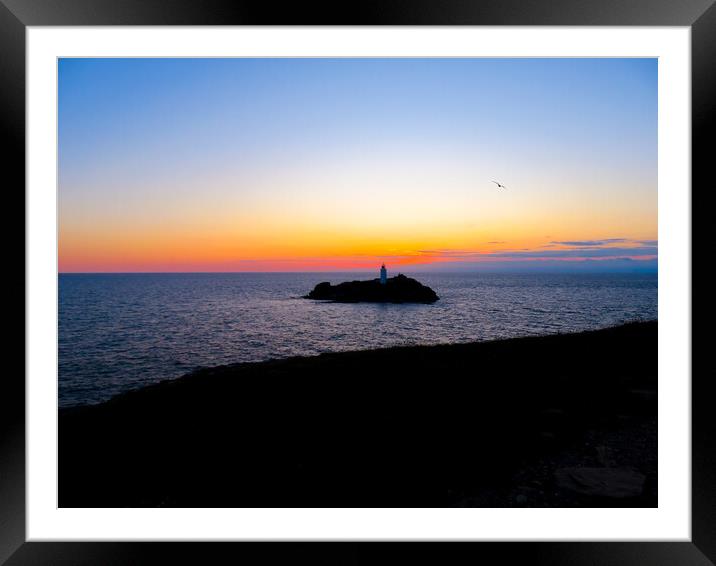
pixel 285 270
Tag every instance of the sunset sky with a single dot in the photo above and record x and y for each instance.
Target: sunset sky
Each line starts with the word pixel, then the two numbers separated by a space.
pixel 340 164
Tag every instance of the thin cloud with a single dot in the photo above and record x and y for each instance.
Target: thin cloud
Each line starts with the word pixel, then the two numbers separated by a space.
pixel 604 242
pixel 595 252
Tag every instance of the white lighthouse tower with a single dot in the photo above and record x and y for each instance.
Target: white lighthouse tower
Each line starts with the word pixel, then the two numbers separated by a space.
pixel 383 275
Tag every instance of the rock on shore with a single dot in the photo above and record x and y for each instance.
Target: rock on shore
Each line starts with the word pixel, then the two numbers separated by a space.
pixel 399 289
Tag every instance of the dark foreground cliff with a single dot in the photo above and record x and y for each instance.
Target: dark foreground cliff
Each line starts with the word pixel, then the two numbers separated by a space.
pixel 398 289
pixel 564 420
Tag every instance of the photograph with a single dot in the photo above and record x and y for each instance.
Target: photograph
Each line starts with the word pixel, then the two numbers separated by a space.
pixel 374 282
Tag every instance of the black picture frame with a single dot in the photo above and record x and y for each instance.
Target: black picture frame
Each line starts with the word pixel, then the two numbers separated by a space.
pixel 16 15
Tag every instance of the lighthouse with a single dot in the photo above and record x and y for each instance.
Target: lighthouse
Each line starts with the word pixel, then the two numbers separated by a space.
pixel 383 275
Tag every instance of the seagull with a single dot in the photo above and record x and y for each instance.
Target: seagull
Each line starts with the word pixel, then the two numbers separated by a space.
pixel 499 186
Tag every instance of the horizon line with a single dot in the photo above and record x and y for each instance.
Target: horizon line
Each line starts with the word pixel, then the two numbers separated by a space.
pixel 427 272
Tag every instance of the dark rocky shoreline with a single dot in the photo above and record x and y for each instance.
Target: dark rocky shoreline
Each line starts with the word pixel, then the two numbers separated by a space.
pixel 481 424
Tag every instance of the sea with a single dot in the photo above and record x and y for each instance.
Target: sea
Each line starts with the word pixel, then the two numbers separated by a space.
pixel 123 331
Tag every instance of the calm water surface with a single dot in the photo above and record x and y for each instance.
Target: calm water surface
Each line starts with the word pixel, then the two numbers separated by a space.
pixel 118 332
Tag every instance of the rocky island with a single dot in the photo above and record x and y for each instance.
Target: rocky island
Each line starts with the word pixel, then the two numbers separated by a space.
pixel 398 289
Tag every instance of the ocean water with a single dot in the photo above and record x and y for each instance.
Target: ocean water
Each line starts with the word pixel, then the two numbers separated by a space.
pixel 122 331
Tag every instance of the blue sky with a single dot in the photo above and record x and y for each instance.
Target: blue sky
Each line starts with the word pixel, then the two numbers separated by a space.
pixel 190 145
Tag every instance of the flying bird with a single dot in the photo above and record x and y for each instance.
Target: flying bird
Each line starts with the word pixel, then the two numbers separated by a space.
pixel 499 185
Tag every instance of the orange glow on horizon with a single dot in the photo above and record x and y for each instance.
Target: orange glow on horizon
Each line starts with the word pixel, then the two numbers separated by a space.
pixel 283 237
pixel 137 253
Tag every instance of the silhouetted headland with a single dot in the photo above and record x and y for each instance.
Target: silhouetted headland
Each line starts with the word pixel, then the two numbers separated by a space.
pixel 398 289
pixel 550 421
